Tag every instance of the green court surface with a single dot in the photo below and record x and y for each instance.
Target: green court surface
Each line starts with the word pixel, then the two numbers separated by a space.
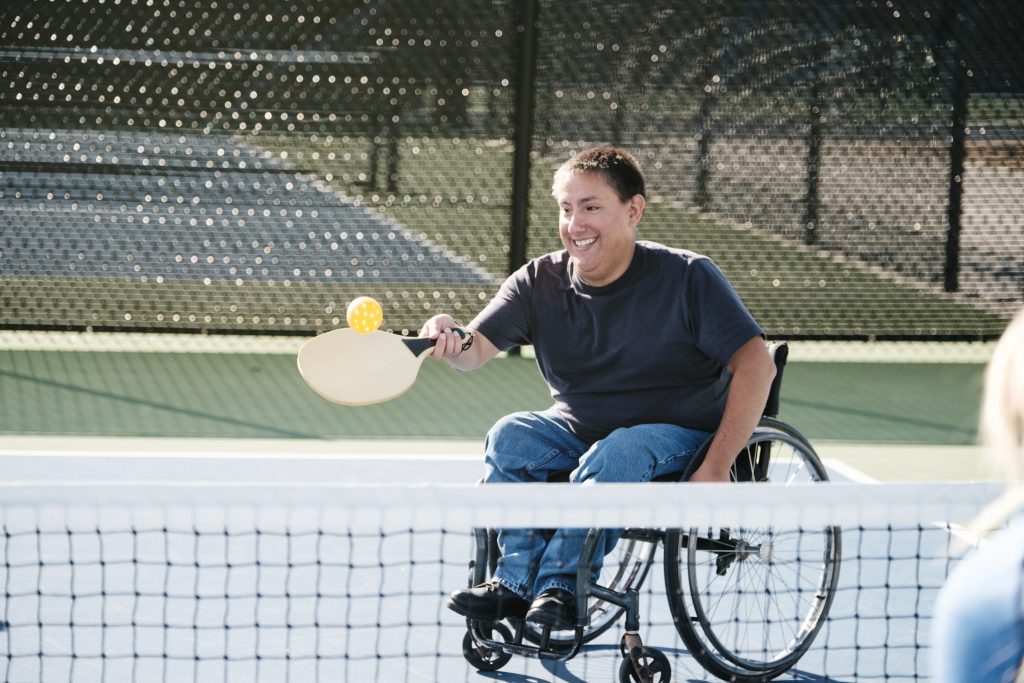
pixel 890 420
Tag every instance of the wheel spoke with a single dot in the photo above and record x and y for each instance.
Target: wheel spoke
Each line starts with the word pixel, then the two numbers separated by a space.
pixel 762 615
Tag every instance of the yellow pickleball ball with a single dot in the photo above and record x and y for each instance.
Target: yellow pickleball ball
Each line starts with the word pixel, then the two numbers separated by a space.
pixel 364 314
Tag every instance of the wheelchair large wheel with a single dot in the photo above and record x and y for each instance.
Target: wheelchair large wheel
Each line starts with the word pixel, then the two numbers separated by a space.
pixel 749 602
pixel 624 568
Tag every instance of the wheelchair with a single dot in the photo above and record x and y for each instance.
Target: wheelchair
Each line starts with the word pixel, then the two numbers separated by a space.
pixel 746 602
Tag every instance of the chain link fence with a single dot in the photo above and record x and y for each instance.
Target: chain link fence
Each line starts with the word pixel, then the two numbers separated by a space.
pixel 855 167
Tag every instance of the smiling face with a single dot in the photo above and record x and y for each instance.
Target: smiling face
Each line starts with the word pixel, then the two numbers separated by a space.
pixel 597 227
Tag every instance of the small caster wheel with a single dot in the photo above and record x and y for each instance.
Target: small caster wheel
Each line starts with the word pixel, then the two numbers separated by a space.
pixel 483 658
pixel 654 667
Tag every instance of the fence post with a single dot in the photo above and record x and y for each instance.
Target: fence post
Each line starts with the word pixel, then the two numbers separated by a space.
pixel 393 133
pixel 715 74
pixel 701 195
pixel 813 199
pixel 958 146
pixel 525 86
pixel 526 83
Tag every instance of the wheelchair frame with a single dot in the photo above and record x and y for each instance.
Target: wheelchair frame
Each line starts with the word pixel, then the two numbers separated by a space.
pixel 489 646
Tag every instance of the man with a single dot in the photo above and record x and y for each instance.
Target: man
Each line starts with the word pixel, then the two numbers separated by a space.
pixel 646 351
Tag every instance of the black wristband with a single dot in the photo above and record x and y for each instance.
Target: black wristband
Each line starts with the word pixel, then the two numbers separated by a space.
pixel 467 341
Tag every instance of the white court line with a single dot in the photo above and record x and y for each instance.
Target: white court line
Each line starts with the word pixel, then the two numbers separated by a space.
pixel 848 472
pixel 112 446
pixel 271 449
pixel 148 342
pixel 170 342
pixel 238 455
pixel 971 353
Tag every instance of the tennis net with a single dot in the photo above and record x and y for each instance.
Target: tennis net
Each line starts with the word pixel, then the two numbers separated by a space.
pixel 291 581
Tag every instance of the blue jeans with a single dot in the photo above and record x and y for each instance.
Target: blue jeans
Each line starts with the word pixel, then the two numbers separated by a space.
pixel 532 446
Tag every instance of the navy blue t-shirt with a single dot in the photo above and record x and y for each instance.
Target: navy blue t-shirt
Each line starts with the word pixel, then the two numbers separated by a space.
pixel 649 348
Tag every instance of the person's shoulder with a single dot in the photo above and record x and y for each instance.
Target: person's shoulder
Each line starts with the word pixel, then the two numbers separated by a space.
pixel 990 563
pixel 553 258
pixel 555 262
pixel 551 265
pixel 662 254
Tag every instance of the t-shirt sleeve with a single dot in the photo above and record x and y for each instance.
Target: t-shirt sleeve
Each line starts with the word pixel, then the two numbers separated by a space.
pixel 505 321
pixel 721 323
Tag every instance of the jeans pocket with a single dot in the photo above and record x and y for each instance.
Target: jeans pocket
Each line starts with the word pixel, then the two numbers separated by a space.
pixel 552 461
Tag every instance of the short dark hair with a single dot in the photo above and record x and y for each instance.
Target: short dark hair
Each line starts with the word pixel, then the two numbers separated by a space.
pixel 619 168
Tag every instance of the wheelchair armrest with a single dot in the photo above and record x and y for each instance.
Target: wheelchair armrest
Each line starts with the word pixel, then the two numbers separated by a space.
pixel 779 352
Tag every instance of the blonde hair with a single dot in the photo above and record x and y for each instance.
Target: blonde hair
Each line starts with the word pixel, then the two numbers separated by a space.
pixel 1002 409
pixel 1002 422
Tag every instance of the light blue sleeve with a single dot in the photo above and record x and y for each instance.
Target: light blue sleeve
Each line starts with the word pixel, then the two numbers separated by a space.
pixel 977 633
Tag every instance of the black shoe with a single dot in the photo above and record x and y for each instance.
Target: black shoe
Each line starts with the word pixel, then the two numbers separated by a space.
pixel 554 607
pixel 487 602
